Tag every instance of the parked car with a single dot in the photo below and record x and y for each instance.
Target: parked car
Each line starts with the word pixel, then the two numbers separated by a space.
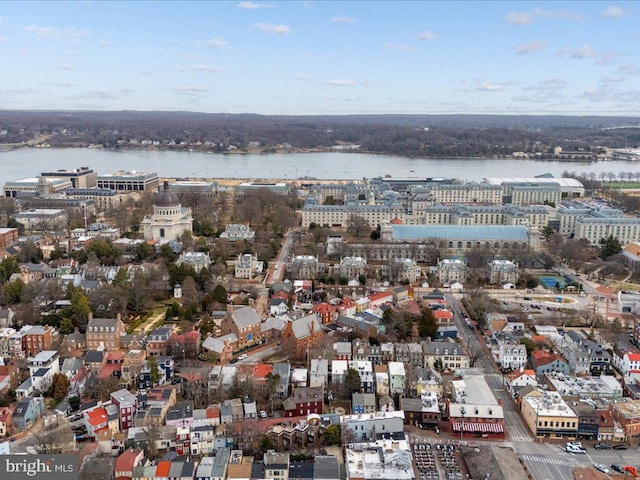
pixel 617 468
pixel 602 468
pixel 602 446
pixel 263 414
pixel 620 447
pixel 243 356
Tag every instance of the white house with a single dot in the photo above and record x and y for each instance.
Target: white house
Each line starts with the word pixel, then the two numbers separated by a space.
pixel 626 363
pixel 512 355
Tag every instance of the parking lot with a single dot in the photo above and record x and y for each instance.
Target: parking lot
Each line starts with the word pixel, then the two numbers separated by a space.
pixel 439 461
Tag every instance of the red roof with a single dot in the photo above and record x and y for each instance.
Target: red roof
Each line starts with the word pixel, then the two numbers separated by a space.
pixel 261 370
pixel 280 294
pixel 213 412
pixel 6 412
pixel 396 221
pixel 82 373
pixel 107 370
pixel 97 416
pixel 634 357
pixel 379 296
pixel 323 308
pixel 439 314
pixel 162 469
pixel 190 337
pixel 127 460
pixel 518 374
pixel 539 354
pixel 115 357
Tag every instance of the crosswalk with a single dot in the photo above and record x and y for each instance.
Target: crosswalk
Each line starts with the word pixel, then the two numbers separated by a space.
pixel 519 438
pixel 549 460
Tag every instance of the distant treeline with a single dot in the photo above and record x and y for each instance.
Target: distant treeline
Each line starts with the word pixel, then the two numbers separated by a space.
pixel 411 135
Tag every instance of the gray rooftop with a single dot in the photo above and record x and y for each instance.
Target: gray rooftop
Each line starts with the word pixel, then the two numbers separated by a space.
pixel 245 317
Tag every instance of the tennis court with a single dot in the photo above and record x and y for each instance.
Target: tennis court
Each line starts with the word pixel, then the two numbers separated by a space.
pixel 550 281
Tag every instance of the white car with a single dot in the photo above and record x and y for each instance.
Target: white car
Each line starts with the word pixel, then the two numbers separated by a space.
pixel 602 468
pixel 244 356
pixel 263 414
pixel 575 449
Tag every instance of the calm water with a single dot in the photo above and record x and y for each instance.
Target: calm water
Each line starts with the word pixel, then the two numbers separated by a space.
pixel 29 162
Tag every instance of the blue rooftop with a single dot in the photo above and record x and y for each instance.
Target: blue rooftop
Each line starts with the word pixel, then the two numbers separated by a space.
pixel 508 233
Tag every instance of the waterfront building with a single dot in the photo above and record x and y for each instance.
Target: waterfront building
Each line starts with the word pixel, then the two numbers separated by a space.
pixel 81 178
pixel 29 187
pixel 130 181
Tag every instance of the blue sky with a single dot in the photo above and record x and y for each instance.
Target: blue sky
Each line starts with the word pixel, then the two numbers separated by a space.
pixel 323 57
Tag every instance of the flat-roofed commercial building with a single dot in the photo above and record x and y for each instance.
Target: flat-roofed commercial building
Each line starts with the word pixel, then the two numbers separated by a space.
pixel 83 177
pixel 130 181
pixel 548 415
pixel 627 413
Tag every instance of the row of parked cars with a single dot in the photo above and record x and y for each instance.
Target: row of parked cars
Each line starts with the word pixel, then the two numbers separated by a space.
pixel 576 447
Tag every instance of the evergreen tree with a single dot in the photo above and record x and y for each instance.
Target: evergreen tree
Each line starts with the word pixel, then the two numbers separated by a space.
pixel 610 246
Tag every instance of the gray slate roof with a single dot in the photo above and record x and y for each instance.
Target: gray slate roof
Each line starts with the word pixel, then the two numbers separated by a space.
pixel 245 317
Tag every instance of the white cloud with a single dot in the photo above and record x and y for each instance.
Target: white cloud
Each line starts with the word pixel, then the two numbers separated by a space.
pixel 426 36
pixel 17 91
pixel 550 85
pixel 211 43
pixel 399 46
pixel 200 68
pixel 531 47
pixel 189 90
pixel 614 12
pixel 253 5
pixel 66 66
pixel 273 28
pixel 46 32
pixel 629 68
pixel 105 94
pixel 339 83
pixel 75 34
pixel 104 43
pixel 525 18
pixel 343 19
pixel 492 87
pixel 580 53
pixel 71 34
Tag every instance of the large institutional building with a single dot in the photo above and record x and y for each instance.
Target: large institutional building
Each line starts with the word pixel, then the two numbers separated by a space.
pixel 530 203
pixel 169 219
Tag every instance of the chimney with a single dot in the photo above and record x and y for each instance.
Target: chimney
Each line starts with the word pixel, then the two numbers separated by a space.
pixel 119 317
pixel 165 185
pixel 90 316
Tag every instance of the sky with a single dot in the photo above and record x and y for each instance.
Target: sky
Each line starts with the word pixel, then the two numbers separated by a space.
pixel 322 57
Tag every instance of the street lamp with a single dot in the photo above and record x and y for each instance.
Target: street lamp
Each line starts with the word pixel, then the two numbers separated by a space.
pixel 462 412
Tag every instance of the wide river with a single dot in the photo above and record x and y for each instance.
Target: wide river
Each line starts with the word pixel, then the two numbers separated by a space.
pixel 29 162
